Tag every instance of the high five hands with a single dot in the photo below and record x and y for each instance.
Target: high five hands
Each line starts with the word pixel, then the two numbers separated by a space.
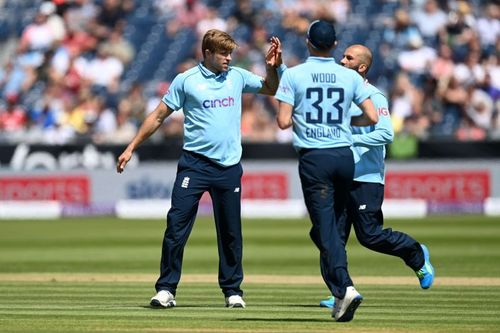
pixel 273 56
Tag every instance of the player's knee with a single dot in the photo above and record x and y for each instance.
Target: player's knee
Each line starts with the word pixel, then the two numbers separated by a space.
pixel 370 242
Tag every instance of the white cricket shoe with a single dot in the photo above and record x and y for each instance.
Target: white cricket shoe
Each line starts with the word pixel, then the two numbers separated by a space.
pixel 344 308
pixel 163 299
pixel 235 301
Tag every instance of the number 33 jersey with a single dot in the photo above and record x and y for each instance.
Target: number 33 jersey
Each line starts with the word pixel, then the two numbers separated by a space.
pixel 321 92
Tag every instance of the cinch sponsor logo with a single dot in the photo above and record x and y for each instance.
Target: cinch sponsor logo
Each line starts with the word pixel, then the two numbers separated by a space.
pixel 217 103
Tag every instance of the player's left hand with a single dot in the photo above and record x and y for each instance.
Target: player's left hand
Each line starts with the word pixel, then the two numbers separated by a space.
pixel 123 160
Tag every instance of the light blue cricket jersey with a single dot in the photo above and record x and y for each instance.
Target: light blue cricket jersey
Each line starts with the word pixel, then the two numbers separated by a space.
pixel 369 141
pixel 321 92
pixel 212 108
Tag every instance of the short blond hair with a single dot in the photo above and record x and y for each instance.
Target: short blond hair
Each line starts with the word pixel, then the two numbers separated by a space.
pixel 217 41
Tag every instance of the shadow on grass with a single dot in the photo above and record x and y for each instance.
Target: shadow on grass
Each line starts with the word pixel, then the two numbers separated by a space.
pixel 300 306
pixel 309 306
pixel 176 307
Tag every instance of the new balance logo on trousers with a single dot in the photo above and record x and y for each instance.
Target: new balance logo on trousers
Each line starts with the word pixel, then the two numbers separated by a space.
pixel 185 182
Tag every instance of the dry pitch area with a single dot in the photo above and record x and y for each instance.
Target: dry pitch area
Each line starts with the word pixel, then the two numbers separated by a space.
pixel 253 279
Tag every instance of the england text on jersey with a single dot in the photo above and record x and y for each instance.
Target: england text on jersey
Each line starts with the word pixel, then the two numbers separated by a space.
pixel 328 133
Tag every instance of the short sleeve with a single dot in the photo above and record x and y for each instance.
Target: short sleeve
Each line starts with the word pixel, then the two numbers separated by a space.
pixel 380 101
pixel 361 91
pixel 252 83
pixel 285 92
pixel 175 95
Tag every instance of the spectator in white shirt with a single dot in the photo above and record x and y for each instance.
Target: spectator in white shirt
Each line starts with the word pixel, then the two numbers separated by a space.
pixel 104 70
pixel 488 27
pixel 430 20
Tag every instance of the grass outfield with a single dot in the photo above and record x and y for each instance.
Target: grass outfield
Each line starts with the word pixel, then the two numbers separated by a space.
pixel 97 275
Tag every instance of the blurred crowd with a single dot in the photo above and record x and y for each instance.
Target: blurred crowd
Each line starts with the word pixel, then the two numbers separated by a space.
pixel 447 77
pixel 61 75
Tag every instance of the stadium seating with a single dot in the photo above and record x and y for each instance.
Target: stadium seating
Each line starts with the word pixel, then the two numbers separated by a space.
pixel 159 53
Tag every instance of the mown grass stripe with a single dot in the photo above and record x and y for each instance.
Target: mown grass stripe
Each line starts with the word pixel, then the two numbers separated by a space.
pixel 97 275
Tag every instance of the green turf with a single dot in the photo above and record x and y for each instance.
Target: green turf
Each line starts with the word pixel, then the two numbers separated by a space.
pixel 105 307
pixel 465 246
pixel 460 246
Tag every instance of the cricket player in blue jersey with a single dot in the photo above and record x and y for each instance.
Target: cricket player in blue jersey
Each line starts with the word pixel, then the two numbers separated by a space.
pixel 364 208
pixel 210 97
pixel 315 98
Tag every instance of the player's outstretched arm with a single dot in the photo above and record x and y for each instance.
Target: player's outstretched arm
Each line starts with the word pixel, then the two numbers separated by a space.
pixel 273 61
pixel 369 116
pixel 152 122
